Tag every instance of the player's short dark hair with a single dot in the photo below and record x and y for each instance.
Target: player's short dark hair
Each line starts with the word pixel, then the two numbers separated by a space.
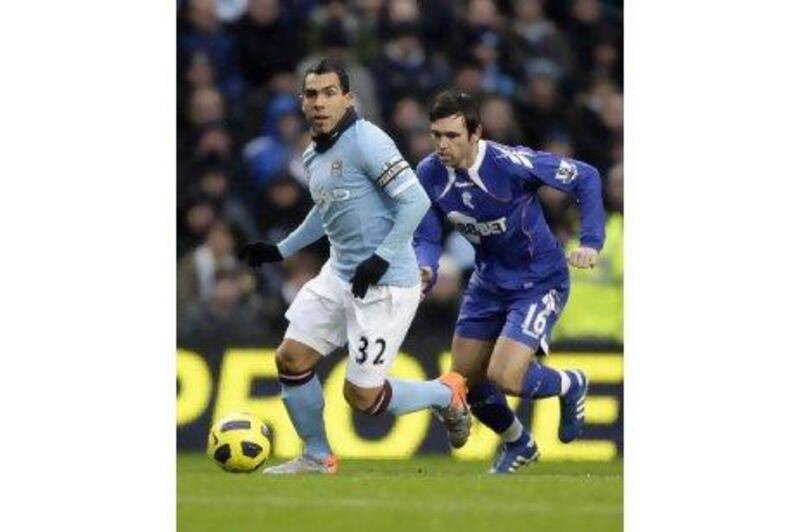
pixel 451 102
pixel 326 66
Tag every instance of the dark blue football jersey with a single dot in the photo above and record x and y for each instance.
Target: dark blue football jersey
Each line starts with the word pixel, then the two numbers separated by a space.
pixel 495 206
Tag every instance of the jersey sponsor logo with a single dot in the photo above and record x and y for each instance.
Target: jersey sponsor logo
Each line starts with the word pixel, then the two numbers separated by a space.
pixel 466 197
pixel 567 172
pixel 339 194
pixel 473 230
pixel 336 168
pixel 321 196
pixel 464 184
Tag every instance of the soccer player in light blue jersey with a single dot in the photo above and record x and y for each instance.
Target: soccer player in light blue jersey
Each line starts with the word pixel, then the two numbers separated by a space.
pixel 521 283
pixel 368 202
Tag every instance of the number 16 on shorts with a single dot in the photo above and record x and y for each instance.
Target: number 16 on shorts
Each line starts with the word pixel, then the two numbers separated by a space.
pixel 540 319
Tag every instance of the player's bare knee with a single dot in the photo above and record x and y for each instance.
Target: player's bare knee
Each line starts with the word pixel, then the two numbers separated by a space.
pixel 357 397
pixel 504 377
pixel 365 400
pixel 291 358
pixel 470 358
pixel 494 372
pixel 285 360
pixel 470 371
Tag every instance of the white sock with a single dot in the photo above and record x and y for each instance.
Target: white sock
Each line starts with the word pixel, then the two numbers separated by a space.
pixel 513 432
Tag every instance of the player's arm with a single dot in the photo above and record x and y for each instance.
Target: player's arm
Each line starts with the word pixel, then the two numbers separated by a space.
pixel 412 204
pixel 308 232
pixel 582 180
pixel 428 248
pixel 428 240
pixel 383 164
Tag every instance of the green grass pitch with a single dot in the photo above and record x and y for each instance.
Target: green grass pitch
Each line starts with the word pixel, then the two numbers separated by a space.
pixel 415 495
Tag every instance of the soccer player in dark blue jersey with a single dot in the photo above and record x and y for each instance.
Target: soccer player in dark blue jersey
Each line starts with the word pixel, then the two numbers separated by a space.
pixel 521 282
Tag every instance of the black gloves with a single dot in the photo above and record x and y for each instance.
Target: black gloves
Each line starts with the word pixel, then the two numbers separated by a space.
pixel 368 273
pixel 257 253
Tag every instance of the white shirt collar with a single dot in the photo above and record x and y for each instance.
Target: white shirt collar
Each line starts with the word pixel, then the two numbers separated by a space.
pixel 473 170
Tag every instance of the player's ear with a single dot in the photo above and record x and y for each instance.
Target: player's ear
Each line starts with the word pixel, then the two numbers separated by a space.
pixel 475 137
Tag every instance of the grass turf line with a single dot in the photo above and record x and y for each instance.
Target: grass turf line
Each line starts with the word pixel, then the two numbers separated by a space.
pixel 420 494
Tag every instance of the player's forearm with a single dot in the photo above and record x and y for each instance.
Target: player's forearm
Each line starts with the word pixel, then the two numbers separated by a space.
pixel 428 254
pixel 412 204
pixel 306 234
pixel 590 202
pixel 588 192
pixel 428 241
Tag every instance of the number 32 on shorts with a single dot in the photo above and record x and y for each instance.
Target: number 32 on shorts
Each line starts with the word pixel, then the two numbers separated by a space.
pixel 363 351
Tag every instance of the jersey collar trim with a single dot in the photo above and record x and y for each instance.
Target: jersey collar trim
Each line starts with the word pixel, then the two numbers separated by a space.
pixel 325 141
pixel 451 178
pixel 473 170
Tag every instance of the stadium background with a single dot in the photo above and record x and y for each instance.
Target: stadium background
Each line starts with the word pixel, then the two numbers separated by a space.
pixel 550 76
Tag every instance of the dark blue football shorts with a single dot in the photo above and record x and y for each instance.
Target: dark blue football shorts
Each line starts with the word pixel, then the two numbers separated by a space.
pixel 526 315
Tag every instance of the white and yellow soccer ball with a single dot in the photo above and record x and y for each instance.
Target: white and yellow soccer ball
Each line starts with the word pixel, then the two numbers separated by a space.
pixel 239 442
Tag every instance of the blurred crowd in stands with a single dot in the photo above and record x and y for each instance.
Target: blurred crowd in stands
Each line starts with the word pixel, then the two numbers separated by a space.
pixel 549 73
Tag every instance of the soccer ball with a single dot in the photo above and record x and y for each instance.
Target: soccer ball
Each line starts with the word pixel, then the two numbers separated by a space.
pixel 239 442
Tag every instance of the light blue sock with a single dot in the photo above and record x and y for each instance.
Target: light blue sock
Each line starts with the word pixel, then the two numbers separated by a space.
pixel 304 403
pixel 410 396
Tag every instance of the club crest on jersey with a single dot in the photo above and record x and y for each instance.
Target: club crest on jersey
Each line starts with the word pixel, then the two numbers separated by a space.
pixel 466 197
pixel 567 172
pixel 336 168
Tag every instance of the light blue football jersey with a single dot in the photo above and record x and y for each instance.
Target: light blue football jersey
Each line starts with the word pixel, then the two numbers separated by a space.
pixel 355 186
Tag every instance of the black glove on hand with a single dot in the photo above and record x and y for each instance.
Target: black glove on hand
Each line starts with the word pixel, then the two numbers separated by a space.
pixel 368 273
pixel 257 253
